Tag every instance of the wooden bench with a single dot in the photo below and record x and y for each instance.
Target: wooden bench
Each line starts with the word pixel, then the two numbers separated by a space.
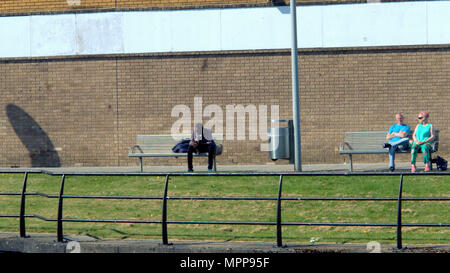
pixel 372 143
pixel 161 146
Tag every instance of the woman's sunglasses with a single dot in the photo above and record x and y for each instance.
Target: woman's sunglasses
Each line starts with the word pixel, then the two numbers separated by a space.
pixel 420 117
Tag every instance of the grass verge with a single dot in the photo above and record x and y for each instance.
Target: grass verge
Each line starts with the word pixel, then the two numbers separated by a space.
pixel 232 210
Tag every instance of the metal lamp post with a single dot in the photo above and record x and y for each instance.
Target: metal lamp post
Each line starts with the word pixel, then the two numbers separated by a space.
pixel 295 93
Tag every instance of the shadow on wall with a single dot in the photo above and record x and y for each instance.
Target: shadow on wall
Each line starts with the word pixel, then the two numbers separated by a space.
pixel 40 147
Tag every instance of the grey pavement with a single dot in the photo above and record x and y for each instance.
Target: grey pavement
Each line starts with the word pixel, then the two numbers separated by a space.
pixel 358 167
pixel 47 243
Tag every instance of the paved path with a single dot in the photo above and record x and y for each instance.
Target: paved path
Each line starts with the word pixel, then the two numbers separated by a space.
pixel 46 243
pixel 372 167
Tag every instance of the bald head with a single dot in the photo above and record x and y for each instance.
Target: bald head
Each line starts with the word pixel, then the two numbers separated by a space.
pixel 399 118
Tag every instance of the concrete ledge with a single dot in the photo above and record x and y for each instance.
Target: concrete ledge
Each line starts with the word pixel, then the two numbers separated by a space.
pixel 46 243
pixel 325 168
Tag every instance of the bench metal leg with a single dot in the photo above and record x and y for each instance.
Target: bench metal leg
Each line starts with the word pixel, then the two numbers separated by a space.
pixel 351 162
pixel 140 163
pixel 214 165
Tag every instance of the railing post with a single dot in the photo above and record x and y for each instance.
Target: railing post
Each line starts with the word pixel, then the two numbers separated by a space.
pixel 399 214
pixel 164 213
pixel 279 235
pixel 22 208
pixel 60 211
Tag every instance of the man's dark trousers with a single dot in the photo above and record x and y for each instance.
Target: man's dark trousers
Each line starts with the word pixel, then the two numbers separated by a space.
pixel 209 148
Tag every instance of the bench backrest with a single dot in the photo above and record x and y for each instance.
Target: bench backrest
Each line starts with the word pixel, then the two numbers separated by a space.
pixel 374 140
pixel 365 141
pixel 165 143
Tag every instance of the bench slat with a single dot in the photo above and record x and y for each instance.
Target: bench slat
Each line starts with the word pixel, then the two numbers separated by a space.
pixel 164 154
pixel 364 151
pixel 161 145
pixel 218 137
pixel 166 141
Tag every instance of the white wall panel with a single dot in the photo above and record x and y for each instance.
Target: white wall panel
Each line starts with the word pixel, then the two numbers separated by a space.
pixel 52 35
pixel 439 23
pixel 258 28
pixel 309 27
pixel 146 32
pixel 375 24
pixel 193 29
pixel 349 25
pixel 14 37
pixel 99 33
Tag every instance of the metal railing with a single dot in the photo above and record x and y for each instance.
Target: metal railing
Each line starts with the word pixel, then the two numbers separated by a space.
pixel 164 222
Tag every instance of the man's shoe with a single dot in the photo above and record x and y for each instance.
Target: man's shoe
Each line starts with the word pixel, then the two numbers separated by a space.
pixel 190 170
pixel 391 169
pixel 387 145
pixel 210 170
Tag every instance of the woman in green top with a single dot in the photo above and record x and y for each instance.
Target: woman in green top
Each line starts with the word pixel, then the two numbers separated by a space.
pixel 423 136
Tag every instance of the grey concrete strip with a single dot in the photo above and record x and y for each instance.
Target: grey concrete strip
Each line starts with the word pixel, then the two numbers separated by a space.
pixel 229 168
pixel 362 167
pixel 46 243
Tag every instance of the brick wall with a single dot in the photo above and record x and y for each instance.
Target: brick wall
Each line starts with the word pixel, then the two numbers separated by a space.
pixel 87 110
pixel 31 6
pixel 8 7
pixel 73 101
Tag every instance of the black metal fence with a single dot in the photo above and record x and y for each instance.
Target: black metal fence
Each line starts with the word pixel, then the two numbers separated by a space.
pixel 164 223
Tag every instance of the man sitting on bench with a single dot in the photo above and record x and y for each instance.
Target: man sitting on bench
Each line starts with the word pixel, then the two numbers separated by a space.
pixel 397 138
pixel 201 142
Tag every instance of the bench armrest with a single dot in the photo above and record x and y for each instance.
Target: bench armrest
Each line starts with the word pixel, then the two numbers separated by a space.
pixel 219 149
pixel 135 147
pixel 436 145
pixel 342 146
